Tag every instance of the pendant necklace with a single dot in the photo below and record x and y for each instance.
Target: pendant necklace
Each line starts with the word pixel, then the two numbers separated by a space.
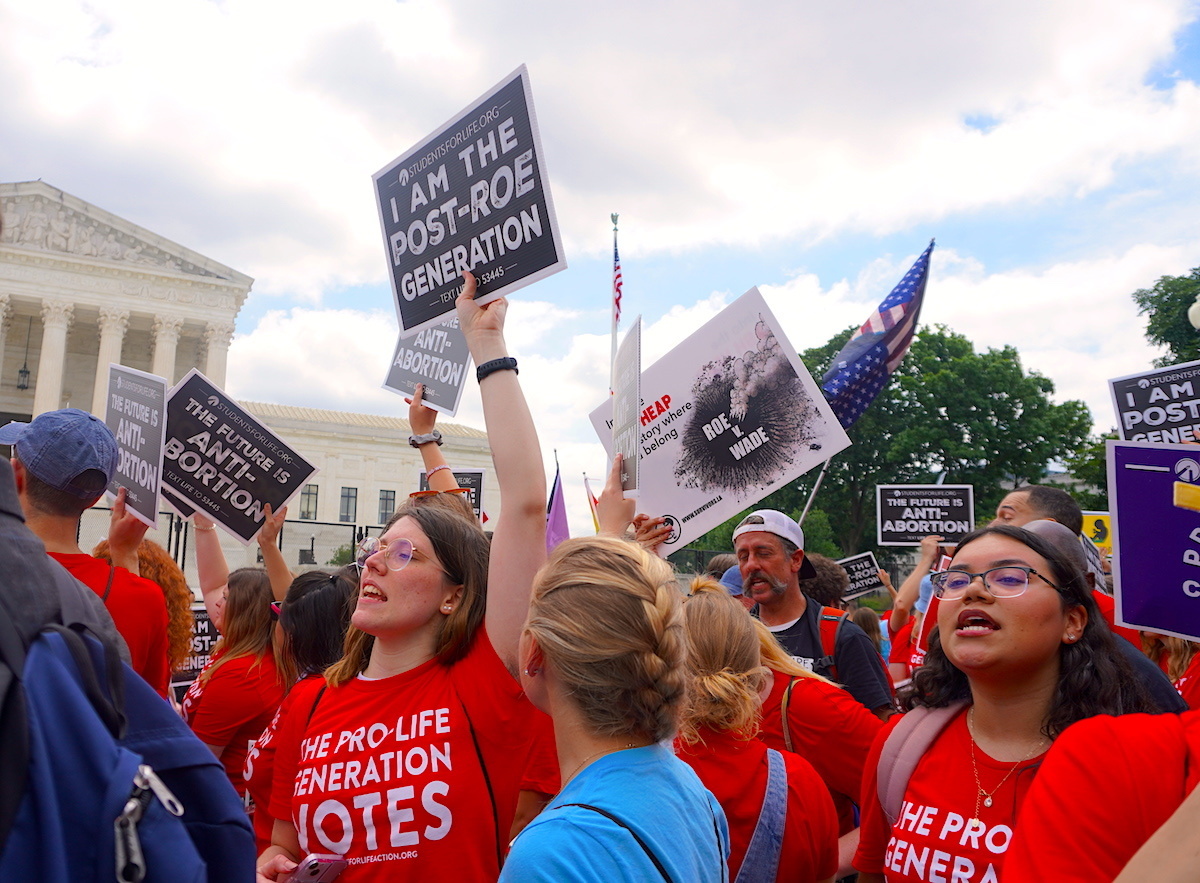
pixel 982 796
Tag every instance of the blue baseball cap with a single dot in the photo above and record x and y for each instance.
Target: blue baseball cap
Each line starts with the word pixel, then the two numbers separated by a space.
pixel 732 581
pixel 70 450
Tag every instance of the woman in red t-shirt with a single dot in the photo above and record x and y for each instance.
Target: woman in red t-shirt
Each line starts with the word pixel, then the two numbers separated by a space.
pixel 717 739
pixel 237 693
pixel 402 761
pixel 1021 645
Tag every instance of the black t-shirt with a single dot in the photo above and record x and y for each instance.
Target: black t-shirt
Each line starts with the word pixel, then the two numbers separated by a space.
pixel 859 666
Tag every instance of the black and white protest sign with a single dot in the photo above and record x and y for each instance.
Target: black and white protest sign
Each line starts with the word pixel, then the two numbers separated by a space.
pixel 204 638
pixel 223 461
pixel 1159 406
pixel 474 196
pixel 907 513
pixel 863 571
pixel 627 406
pixel 468 478
pixel 136 414
pixel 436 357
pixel 727 417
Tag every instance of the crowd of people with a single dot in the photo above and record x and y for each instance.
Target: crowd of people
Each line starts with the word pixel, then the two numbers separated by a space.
pixel 459 706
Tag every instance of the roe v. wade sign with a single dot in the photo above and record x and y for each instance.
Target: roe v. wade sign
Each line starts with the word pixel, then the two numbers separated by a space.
pixel 909 512
pixel 474 196
pixel 1159 406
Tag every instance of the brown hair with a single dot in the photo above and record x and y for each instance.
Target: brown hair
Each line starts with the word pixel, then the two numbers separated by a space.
pixel 868 620
pixel 248 628
pixel 724 663
pixel 157 565
pixel 607 616
pixel 1179 652
pixel 462 550
pixel 829 585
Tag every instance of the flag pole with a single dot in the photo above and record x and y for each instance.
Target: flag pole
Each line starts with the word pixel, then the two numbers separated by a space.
pixel 816 487
pixel 616 309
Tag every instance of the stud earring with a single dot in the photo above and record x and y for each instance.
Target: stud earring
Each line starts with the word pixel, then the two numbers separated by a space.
pixel 532 672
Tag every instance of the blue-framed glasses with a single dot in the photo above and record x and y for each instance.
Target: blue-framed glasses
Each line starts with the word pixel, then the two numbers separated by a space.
pixel 1010 581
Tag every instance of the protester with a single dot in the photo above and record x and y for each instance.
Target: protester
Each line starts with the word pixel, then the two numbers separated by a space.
pixel 1133 780
pixel 1019 653
pixel 604 653
pixel 868 620
pixel 720 564
pixel 770 550
pixel 62 463
pixel 731 580
pixel 758 788
pixel 805 713
pixel 427 787
pixel 156 564
pixel 313 618
pixel 828 588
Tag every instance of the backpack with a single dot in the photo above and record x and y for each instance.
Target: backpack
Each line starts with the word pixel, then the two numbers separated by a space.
pixel 906 744
pixel 100 780
pixel 831 621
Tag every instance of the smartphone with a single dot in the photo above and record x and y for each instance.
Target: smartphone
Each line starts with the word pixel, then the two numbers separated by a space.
pixel 317 868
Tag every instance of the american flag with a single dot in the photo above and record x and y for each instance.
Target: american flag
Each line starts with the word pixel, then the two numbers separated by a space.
pixel 616 284
pixel 868 359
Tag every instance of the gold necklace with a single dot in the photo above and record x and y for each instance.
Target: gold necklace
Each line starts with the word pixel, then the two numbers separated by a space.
pixel 981 795
pixel 592 757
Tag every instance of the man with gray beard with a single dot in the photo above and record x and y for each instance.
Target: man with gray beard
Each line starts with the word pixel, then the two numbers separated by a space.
pixel 771 559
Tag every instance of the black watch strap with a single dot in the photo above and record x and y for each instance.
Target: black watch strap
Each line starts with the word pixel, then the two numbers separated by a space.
pixel 508 363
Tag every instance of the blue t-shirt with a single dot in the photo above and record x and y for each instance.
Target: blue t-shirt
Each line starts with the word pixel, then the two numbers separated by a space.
pixel 652 792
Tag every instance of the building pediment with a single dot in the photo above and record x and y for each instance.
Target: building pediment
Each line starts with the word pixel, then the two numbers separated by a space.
pixel 43 220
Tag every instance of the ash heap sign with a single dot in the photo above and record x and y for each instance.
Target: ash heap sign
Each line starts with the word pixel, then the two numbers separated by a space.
pixel 727 417
pixel 909 512
pixel 474 196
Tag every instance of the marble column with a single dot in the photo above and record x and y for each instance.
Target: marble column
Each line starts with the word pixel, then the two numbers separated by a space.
pixel 5 325
pixel 56 321
pixel 113 323
pixel 217 337
pixel 166 339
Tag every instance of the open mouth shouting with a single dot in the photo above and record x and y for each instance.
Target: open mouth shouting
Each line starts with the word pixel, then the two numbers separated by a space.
pixel 973 623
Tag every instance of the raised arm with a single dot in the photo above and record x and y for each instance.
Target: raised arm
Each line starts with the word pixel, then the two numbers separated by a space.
pixel 125 533
pixel 519 539
pixel 268 541
pixel 211 569
pixel 910 589
pixel 421 420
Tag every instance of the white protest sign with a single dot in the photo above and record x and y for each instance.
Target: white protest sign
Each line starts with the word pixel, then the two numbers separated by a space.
pixel 863 571
pixel 223 462
pixel 136 414
pixel 435 357
pixel 627 407
pixel 474 196
pixel 728 416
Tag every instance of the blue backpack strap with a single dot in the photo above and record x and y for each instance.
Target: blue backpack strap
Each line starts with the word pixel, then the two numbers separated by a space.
pixel 761 864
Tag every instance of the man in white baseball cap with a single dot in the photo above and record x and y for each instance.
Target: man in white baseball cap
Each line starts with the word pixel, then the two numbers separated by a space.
pixel 770 553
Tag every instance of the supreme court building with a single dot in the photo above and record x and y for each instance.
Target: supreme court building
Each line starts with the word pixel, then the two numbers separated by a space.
pixel 81 288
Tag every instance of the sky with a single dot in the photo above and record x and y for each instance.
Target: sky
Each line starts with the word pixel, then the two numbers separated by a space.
pixel 809 148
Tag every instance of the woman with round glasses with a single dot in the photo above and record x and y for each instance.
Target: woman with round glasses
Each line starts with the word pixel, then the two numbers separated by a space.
pixel 1019 653
pixel 402 760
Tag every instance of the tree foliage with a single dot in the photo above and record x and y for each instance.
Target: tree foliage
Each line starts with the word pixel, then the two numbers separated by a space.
pixel 1089 466
pixel 977 418
pixel 1165 306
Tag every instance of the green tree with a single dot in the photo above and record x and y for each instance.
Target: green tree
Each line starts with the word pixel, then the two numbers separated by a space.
pixel 1089 467
pixel 977 418
pixel 342 556
pixel 1165 306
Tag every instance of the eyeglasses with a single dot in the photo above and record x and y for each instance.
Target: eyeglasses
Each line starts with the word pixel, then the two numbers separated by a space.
pixel 1003 582
pixel 396 554
pixel 453 490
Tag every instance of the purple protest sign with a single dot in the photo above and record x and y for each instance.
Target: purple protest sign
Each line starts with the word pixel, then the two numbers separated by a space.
pixel 1154 490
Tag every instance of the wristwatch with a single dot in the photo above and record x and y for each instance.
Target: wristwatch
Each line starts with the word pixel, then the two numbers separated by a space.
pixel 417 440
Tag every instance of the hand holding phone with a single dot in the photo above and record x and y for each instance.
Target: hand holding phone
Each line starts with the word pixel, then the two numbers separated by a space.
pixel 317 868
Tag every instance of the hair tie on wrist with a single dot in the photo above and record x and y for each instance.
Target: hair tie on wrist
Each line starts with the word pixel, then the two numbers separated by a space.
pixel 429 474
pixel 508 363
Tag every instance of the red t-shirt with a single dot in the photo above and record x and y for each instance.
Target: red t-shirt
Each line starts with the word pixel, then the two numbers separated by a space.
pixel 138 609
pixel 1108 609
pixel 387 771
pixel 735 771
pixel 233 707
pixel 830 729
pixel 1106 786
pixel 936 836
pixel 1188 684
pixel 259 772
pixel 541 762
pixel 902 648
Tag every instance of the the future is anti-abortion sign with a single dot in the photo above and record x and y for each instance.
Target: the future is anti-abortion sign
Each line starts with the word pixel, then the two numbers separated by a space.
pixel 474 196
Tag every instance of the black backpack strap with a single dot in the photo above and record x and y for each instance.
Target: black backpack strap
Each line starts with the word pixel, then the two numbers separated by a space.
pixel 640 841
pixel 487 780
pixel 109 703
pixel 112 571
